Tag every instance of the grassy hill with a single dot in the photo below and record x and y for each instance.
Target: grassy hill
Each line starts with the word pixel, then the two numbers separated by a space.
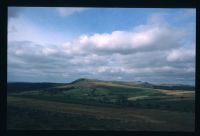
pixel 100 94
pixel 109 93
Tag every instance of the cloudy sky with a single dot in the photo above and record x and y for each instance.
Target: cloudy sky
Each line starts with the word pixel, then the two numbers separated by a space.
pixel 64 44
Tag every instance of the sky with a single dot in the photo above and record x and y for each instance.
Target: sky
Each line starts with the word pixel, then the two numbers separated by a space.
pixel 128 44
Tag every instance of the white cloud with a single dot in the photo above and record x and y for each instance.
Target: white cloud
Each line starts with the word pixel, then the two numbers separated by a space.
pixel 151 52
pixel 157 19
pixel 69 11
pixel 181 54
pixel 143 38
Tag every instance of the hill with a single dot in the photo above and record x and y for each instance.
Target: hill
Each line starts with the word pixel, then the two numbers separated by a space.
pixel 83 82
pixel 90 104
pixel 110 93
pixel 95 82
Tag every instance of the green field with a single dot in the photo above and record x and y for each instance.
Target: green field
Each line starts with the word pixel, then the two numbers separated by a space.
pixel 87 104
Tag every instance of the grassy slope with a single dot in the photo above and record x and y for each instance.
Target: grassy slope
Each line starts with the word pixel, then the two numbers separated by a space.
pixel 48 115
pixel 108 93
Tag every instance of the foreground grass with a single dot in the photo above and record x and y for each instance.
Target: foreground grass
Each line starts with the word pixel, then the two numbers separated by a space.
pixel 32 119
pixel 27 113
pixel 170 104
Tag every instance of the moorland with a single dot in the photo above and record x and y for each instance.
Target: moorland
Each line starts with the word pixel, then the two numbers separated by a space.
pixel 91 104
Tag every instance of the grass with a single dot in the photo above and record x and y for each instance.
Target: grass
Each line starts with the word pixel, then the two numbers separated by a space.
pixel 45 120
pixel 111 95
pixel 26 113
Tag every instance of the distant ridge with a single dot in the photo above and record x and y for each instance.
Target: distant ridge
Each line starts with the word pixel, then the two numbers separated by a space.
pixel 84 82
pixel 27 86
pixel 175 87
pixel 79 80
pixel 138 84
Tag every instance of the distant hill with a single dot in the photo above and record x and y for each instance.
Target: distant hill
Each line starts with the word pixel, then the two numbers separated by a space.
pixel 83 82
pixel 24 86
pixel 174 87
pixel 91 83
